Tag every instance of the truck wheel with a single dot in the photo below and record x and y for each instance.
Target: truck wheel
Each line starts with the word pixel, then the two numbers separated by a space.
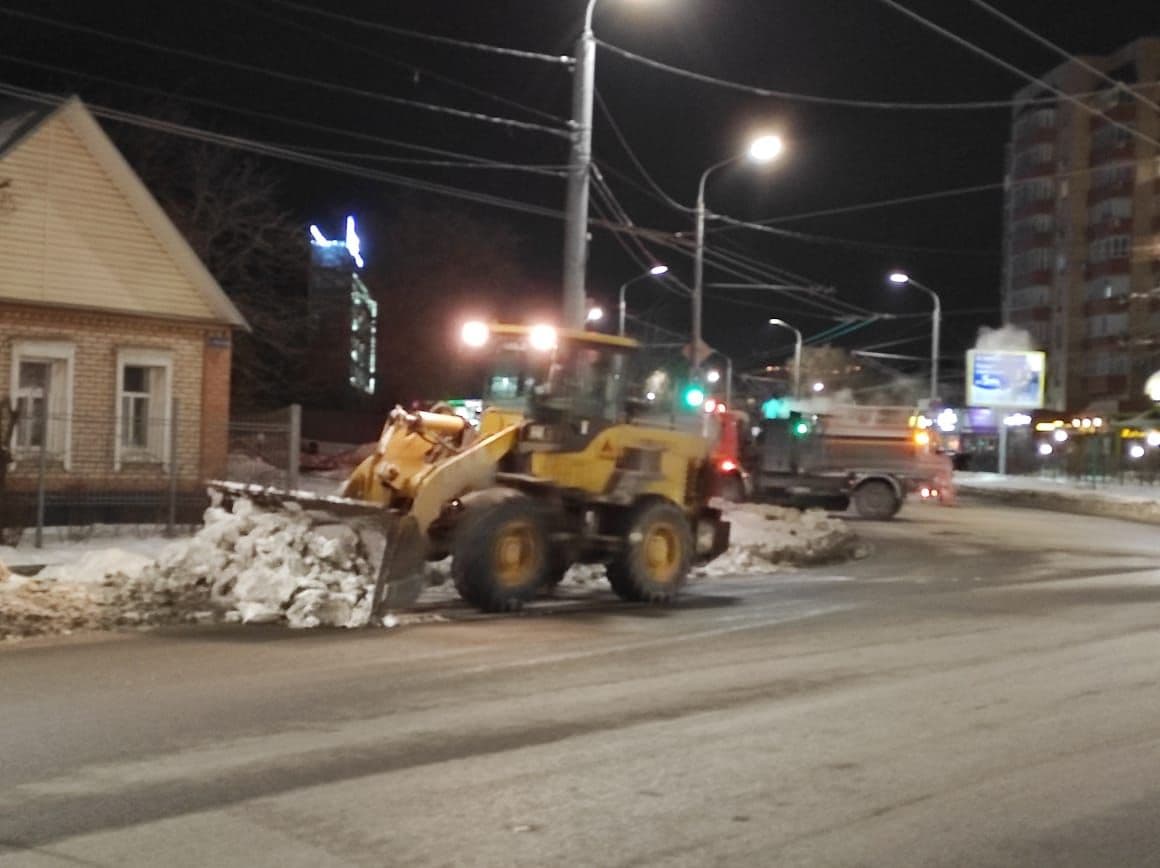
pixel 500 554
pixel 876 500
pixel 654 562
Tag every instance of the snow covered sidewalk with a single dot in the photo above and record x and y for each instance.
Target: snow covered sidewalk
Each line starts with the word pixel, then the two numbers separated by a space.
pixel 1139 503
pixel 300 569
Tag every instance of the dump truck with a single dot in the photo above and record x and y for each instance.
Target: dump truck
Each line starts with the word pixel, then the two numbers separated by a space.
pixel 868 457
pixel 562 469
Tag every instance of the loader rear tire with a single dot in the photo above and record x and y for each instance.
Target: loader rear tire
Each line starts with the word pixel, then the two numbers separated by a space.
pixel 654 562
pixel 500 554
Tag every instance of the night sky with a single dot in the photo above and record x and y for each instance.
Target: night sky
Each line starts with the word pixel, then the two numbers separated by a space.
pixel 836 156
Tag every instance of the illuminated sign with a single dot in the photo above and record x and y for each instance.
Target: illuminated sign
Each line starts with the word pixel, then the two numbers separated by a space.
pixel 351 242
pixel 1008 379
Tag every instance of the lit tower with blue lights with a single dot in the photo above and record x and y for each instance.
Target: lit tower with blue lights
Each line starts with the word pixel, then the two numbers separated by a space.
pixel 344 314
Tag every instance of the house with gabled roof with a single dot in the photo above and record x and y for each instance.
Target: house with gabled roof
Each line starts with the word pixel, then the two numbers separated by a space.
pixel 115 339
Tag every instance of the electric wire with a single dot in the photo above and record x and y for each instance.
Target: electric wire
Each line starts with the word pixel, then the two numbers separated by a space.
pixel 623 140
pixel 1064 53
pixel 428 37
pixel 402 64
pixel 291 77
pixel 469 159
pixel 292 155
pixel 791 96
pixel 1010 67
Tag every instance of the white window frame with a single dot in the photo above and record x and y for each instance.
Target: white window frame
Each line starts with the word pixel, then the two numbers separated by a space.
pixel 128 357
pixel 52 352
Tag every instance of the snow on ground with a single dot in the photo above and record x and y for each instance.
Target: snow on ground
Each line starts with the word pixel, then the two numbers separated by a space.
pixel 61 547
pixel 1131 501
pixel 1133 491
pixel 303 570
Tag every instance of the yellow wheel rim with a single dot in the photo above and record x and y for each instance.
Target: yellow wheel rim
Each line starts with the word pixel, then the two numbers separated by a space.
pixel 662 553
pixel 514 554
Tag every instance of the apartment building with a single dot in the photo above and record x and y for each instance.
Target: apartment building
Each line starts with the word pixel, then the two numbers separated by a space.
pixel 1081 244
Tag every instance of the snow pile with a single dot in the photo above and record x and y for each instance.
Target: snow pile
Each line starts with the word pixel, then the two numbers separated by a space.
pixel 762 539
pixel 286 566
pixel 36 608
pixel 96 567
pixel 765 537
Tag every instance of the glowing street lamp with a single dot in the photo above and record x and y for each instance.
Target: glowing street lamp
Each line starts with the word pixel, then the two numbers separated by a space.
pixel 762 150
pixel 901 278
pixel 797 355
pixel 657 270
pixel 595 314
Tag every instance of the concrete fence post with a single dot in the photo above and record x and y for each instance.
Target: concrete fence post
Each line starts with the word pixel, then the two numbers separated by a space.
pixel 294 444
pixel 171 519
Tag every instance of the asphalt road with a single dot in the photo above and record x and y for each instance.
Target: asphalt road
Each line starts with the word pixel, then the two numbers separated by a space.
pixel 983 690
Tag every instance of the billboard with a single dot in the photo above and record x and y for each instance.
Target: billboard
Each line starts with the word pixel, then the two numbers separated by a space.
pixel 1008 379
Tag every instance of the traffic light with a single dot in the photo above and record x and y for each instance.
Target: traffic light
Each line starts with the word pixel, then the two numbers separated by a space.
pixel 694 396
pixel 799 426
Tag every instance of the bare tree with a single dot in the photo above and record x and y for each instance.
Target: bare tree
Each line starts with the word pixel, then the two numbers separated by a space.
pixel 228 208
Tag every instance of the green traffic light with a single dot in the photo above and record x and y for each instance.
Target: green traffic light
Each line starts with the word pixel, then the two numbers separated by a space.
pixel 694 396
pixel 801 429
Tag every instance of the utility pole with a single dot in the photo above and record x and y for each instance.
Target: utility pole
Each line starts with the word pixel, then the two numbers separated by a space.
pixel 579 172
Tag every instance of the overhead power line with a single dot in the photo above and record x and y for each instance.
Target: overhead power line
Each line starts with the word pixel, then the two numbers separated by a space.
pixel 791 96
pixel 908 200
pixel 1010 67
pixel 657 190
pixel 427 37
pixel 810 238
pixel 292 155
pixel 413 68
pixel 1064 53
pixel 290 77
pixel 468 159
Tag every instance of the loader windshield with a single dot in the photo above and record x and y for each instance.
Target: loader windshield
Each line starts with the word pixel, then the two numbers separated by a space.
pixel 587 381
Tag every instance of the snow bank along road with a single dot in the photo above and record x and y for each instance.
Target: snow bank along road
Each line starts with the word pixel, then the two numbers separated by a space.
pixel 1130 502
pixel 982 691
pixel 290 567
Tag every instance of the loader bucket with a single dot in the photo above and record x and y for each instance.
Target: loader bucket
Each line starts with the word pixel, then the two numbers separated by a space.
pixel 401 577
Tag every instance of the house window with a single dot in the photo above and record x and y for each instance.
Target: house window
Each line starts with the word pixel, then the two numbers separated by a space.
pixel 144 382
pixel 41 389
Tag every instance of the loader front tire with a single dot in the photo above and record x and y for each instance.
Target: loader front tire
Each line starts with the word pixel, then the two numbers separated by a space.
pixel 654 561
pixel 500 554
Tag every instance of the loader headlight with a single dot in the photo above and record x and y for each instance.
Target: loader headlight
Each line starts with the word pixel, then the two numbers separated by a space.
pixel 542 338
pixel 475 334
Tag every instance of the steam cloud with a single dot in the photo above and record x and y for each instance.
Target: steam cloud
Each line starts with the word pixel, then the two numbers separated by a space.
pixel 1009 337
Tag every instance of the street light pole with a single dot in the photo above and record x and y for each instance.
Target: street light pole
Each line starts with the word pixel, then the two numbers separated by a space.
pixel 898 278
pixel 762 150
pixel 579 172
pixel 797 356
pixel 699 260
pixel 655 271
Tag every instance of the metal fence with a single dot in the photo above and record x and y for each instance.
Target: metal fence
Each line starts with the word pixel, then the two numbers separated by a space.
pixel 265 448
pixel 68 474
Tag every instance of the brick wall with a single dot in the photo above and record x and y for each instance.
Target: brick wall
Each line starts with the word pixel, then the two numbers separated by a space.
pixel 200 383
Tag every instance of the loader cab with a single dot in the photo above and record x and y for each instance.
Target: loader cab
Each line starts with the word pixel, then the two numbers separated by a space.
pixel 568 385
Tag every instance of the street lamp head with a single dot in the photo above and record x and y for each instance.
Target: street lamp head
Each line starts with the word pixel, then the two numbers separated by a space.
pixel 595 314
pixel 764 149
pixel 776 321
pixel 713 376
pixel 899 277
pixel 658 270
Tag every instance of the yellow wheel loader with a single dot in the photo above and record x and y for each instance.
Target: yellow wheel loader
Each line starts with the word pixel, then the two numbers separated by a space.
pixel 563 469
